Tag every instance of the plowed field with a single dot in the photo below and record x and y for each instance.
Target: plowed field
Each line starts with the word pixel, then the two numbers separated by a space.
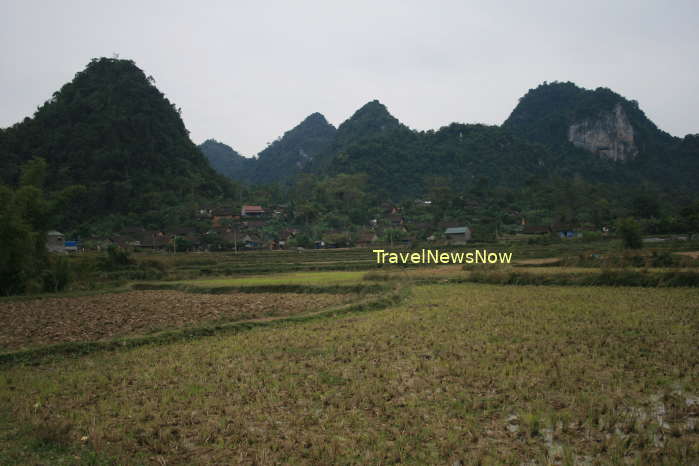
pixel 102 317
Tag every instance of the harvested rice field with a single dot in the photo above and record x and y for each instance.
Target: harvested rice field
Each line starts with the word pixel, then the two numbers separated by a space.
pixel 46 321
pixel 453 374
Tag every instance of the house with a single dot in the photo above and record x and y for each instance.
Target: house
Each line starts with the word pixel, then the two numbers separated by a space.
pixel 564 231
pixel 71 246
pixel 254 224
pixel 220 217
pixel 457 235
pixel 388 208
pixel 536 230
pixel 252 211
pixel 251 242
pixel 151 240
pixel 395 219
pixel 55 241
pixel 204 212
pixel 365 239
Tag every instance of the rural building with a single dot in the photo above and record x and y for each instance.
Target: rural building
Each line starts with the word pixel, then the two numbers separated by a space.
pixel 536 230
pixel 220 216
pixel 55 241
pixel 251 242
pixel 71 246
pixel 395 219
pixel 564 231
pixel 365 239
pixel 457 235
pixel 252 211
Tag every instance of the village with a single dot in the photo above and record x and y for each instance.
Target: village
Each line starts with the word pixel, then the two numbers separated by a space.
pixel 254 227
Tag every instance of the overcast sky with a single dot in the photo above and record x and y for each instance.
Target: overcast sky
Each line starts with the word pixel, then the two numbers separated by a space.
pixel 245 72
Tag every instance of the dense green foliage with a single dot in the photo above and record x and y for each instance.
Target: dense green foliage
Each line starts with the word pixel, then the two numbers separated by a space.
pixel 281 160
pixel 531 146
pixel 112 131
pixel 289 155
pixel 494 177
pixel 227 161
pixel 630 232
pixel 544 115
pixel 26 215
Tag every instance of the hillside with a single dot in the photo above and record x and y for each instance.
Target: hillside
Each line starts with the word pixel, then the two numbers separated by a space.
pixel 227 161
pixel 111 130
pixel 557 129
pixel 573 120
pixel 280 161
pixel 599 121
pixel 295 150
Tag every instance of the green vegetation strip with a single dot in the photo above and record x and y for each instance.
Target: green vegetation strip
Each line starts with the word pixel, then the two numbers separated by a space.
pixel 306 289
pixel 47 353
pixel 603 278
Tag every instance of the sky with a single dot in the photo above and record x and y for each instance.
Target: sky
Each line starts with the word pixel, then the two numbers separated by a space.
pixel 245 72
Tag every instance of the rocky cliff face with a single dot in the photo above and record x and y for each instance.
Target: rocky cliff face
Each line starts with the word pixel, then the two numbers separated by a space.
pixel 611 135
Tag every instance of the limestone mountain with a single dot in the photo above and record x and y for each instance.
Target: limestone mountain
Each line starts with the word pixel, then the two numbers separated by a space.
pixel 281 160
pixel 557 130
pixel 227 161
pixel 372 119
pixel 598 121
pixel 111 130
pixel 572 120
pixel 295 150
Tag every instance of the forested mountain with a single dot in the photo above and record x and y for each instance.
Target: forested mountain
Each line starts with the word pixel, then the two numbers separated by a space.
pixel 371 120
pixel 227 161
pixel 565 153
pixel 113 132
pixel 557 129
pixel 292 153
pixel 572 120
pixel 281 160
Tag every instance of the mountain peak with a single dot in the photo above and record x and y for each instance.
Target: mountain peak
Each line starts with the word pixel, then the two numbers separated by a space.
pixel 371 119
pixel 111 130
pixel 598 121
pixel 315 118
pixel 372 107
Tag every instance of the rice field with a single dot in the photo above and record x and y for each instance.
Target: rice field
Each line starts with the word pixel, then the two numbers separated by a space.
pixel 456 373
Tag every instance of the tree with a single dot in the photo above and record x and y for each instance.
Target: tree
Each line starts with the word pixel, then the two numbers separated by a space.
pixel 17 254
pixel 630 232
pixel 25 218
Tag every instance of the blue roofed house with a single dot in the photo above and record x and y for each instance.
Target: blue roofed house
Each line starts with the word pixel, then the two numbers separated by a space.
pixel 457 235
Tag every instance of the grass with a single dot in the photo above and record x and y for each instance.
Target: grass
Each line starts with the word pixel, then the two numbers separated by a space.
pixel 592 277
pixel 458 372
pixel 295 278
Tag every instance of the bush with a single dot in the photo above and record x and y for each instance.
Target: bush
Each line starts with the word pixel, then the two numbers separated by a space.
pixel 117 257
pixel 58 274
pixel 591 236
pixel 630 232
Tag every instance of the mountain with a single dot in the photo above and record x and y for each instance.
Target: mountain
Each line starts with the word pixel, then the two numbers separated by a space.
pixel 402 162
pixel 599 121
pixel 281 160
pixel 372 119
pixel 572 120
pixel 111 130
pixel 226 160
pixel 298 147
pixel 556 130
